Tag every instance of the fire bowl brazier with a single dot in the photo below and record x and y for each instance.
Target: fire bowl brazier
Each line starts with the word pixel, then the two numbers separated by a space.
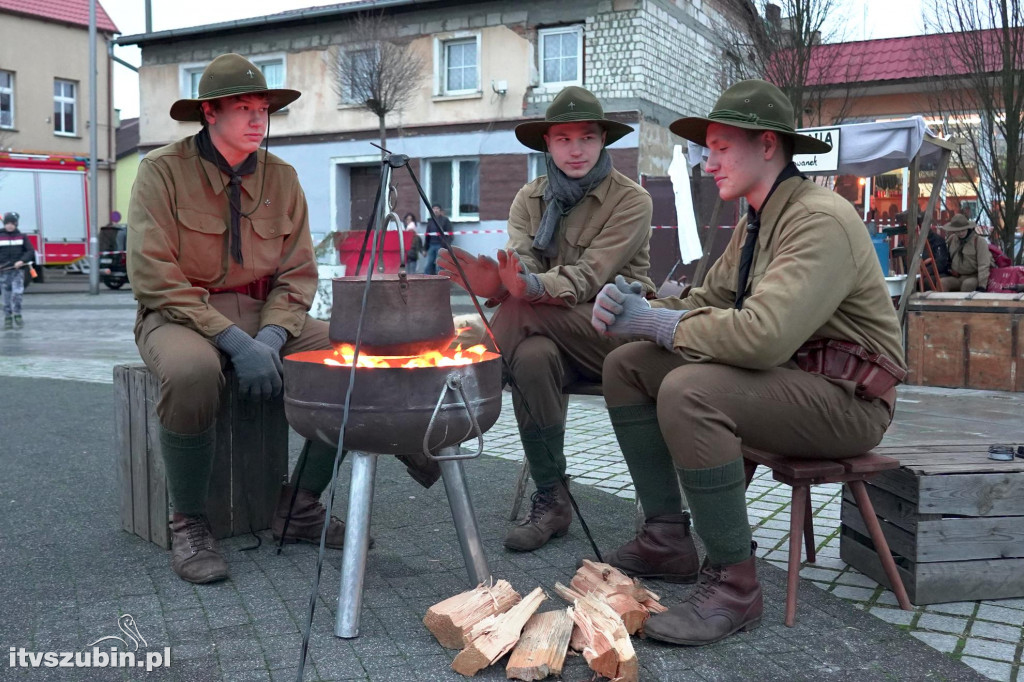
pixel 391 407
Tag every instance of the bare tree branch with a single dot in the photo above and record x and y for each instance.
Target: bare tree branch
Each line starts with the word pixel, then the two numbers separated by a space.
pixel 985 107
pixel 376 70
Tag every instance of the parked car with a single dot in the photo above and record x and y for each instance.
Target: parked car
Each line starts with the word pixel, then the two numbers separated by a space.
pixel 113 256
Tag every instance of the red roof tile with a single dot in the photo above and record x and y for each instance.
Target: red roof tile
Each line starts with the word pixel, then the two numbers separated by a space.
pixel 891 59
pixel 74 12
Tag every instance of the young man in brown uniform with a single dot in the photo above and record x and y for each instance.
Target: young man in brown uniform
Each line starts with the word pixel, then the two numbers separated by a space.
pixel 969 258
pixel 569 233
pixel 791 346
pixel 221 261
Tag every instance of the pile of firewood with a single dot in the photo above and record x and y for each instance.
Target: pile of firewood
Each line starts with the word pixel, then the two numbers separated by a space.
pixel 489 621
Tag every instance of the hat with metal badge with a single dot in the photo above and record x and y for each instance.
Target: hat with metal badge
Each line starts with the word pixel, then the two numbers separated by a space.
pixel 751 105
pixel 572 105
pixel 959 223
pixel 230 75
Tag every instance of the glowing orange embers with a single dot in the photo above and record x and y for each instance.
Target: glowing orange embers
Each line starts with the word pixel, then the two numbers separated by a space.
pixel 342 357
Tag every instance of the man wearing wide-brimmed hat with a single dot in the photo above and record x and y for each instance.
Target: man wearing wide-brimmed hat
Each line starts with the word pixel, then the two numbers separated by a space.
pixel 970 259
pixel 569 233
pixel 791 346
pixel 221 261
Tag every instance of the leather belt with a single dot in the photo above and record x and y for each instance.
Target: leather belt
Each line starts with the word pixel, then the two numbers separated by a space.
pixel 874 374
pixel 258 289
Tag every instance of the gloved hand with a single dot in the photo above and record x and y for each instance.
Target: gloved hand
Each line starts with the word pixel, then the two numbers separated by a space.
pixel 257 365
pixel 621 310
pixel 519 282
pixel 272 335
pixel 481 271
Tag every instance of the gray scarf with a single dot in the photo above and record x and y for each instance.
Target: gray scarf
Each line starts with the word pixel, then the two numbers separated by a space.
pixel 562 195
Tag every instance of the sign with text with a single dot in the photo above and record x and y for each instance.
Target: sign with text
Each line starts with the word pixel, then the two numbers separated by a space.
pixel 828 162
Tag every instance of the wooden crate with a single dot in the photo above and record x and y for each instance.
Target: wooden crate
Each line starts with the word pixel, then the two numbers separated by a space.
pixel 966 340
pixel 953 518
pixel 250 463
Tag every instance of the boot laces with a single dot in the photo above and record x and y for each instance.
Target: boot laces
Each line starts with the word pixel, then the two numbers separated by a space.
pixel 197 530
pixel 541 501
pixel 710 579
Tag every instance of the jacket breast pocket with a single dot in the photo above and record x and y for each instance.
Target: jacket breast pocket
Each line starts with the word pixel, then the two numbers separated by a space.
pixel 200 245
pixel 268 242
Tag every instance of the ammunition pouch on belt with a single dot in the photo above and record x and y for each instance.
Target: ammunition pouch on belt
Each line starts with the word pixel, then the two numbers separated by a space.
pixel 258 289
pixel 875 374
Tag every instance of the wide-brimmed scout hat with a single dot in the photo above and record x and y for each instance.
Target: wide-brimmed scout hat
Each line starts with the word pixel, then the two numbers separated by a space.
pixel 572 105
pixel 230 75
pixel 751 105
pixel 959 223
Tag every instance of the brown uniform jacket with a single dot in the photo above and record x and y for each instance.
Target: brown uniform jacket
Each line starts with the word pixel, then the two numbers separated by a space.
pixel 178 230
pixel 814 274
pixel 608 233
pixel 969 258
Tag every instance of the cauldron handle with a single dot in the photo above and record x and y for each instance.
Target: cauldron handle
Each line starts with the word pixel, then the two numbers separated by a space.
pixel 392 217
pixel 453 383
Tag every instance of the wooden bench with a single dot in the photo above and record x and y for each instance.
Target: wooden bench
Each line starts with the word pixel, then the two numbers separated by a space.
pixel 250 464
pixel 801 474
pixel 953 517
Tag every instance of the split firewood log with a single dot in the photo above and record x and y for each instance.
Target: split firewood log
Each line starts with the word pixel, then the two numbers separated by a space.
pixel 631 600
pixel 498 638
pixel 452 619
pixel 542 648
pixel 601 636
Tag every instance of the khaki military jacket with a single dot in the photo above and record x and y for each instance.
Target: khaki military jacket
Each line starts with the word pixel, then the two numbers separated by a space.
pixel 970 258
pixel 179 224
pixel 814 274
pixel 607 234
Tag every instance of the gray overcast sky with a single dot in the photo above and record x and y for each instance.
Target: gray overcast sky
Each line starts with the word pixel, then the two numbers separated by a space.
pixel 867 19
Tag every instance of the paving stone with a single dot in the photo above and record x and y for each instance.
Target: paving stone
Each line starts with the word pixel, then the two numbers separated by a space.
pixel 944 643
pixel 1000 651
pixel 959 608
pixel 853 593
pixel 934 621
pixel 895 616
pixel 1000 614
pixel 994 670
pixel 1006 633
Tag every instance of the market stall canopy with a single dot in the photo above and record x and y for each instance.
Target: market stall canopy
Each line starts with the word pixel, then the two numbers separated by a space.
pixel 867 149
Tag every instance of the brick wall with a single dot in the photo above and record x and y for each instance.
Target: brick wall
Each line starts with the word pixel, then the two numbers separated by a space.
pixel 501 176
pixel 408 198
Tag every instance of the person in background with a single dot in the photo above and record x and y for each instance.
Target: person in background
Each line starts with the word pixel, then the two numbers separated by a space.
pixel 432 243
pixel 969 257
pixel 414 251
pixel 15 253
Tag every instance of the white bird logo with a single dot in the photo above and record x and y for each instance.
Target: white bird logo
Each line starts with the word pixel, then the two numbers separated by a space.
pixel 127 625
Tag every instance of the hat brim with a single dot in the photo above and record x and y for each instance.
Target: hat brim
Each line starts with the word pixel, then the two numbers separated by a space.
pixel 531 134
pixel 960 228
pixel 190 109
pixel 695 128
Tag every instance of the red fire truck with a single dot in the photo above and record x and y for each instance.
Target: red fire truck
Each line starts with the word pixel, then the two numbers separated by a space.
pixel 48 191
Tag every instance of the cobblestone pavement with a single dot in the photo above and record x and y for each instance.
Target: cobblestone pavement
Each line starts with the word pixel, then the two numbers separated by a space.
pixel 75 336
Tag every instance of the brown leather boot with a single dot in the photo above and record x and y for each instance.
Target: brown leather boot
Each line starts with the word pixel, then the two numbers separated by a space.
pixel 550 516
pixel 307 519
pixel 728 599
pixel 663 549
pixel 194 554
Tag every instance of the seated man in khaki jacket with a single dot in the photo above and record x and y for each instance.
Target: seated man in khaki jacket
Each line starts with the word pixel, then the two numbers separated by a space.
pixel 791 346
pixel 221 261
pixel 969 257
pixel 569 233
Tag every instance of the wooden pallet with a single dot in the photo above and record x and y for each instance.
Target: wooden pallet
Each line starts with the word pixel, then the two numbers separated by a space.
pixel 250 463
pixel 953 518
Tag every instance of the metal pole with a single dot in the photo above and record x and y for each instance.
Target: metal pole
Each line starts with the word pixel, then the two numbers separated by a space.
pixel 94 241
pixel 464 517
pixel 357 544
pixel 149 16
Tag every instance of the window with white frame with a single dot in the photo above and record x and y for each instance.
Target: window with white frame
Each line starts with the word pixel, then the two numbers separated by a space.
pixel 65 95
pixel 358 68
pixel 561 55
pixel 454 184
pixel 536 166
pixel 6 99
pixel 460 66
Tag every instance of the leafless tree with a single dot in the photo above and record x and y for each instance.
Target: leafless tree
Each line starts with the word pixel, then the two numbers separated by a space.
pixel 377 69
pixel 788 42
pixel 985 107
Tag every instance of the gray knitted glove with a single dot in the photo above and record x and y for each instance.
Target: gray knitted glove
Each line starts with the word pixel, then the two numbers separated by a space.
pixel 621 310
pixel 257 365
pixel 273 336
